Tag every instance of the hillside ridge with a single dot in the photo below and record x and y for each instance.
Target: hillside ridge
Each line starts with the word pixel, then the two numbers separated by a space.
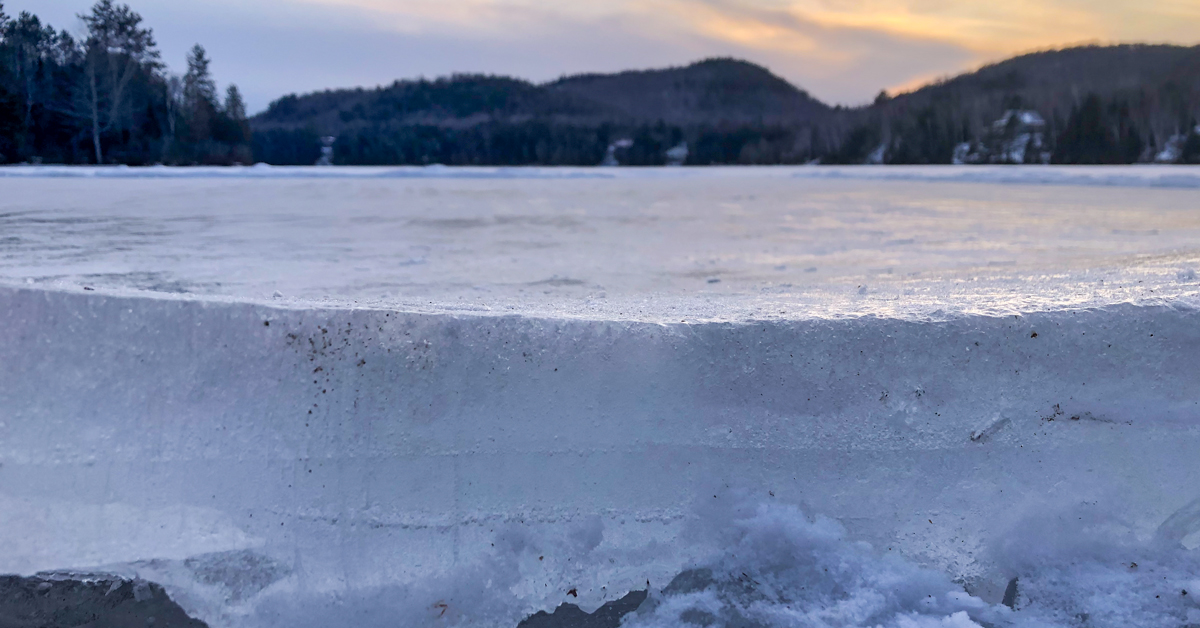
pixel 1086 104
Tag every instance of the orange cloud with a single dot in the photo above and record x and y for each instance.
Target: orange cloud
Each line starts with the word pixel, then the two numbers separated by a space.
pixel 984 25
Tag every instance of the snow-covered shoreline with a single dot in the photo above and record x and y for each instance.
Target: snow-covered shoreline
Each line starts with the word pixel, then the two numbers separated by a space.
pixel 1148 175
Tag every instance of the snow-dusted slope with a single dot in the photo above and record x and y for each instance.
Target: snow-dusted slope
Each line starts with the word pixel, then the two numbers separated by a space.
pixel 556 397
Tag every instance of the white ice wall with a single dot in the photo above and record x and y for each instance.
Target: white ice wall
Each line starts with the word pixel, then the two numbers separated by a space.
pixel 359 449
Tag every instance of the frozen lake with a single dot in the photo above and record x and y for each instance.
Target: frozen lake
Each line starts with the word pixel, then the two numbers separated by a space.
pixel 643 244
pixel 309 397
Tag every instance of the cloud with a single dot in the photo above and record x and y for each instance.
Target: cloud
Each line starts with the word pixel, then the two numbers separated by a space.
pixel 977 25
pixel 981 25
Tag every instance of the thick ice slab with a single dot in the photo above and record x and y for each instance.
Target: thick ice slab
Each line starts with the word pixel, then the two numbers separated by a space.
pixel 477 395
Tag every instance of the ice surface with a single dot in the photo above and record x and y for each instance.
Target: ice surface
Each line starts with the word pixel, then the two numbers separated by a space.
pixel 474 395
pixel 652 245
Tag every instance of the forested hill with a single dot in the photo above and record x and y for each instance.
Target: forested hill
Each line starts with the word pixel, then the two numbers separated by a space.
pixel 1099 104
pixel 1055 80
pixel 1091 104
pixel 499 120
pixel 715 91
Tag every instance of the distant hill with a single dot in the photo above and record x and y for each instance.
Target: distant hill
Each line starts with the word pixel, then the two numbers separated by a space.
pixel 1091 104
pixel 577 120
pixel 715 91
pixel 455 101
pixel 1150 90
pixel 1055 80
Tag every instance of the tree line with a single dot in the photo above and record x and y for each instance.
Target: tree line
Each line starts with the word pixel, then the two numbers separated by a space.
pixel 106 97
pixel 1097 130
pixel 538 142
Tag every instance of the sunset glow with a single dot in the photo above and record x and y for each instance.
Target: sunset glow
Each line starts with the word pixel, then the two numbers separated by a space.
pixel 834 32
pixel 842 51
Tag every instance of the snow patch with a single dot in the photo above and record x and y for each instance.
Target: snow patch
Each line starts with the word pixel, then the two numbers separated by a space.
pixel 779 567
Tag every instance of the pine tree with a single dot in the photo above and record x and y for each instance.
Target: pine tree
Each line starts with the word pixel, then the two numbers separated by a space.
pixel 10 117
pixel 1087 138
pixel 199 96
pixel 198 82
pixel 28 44
pixel 233 117
pixel 117 50
pixel 235 107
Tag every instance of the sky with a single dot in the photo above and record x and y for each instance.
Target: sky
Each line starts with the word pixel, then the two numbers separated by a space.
pixel 841 51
